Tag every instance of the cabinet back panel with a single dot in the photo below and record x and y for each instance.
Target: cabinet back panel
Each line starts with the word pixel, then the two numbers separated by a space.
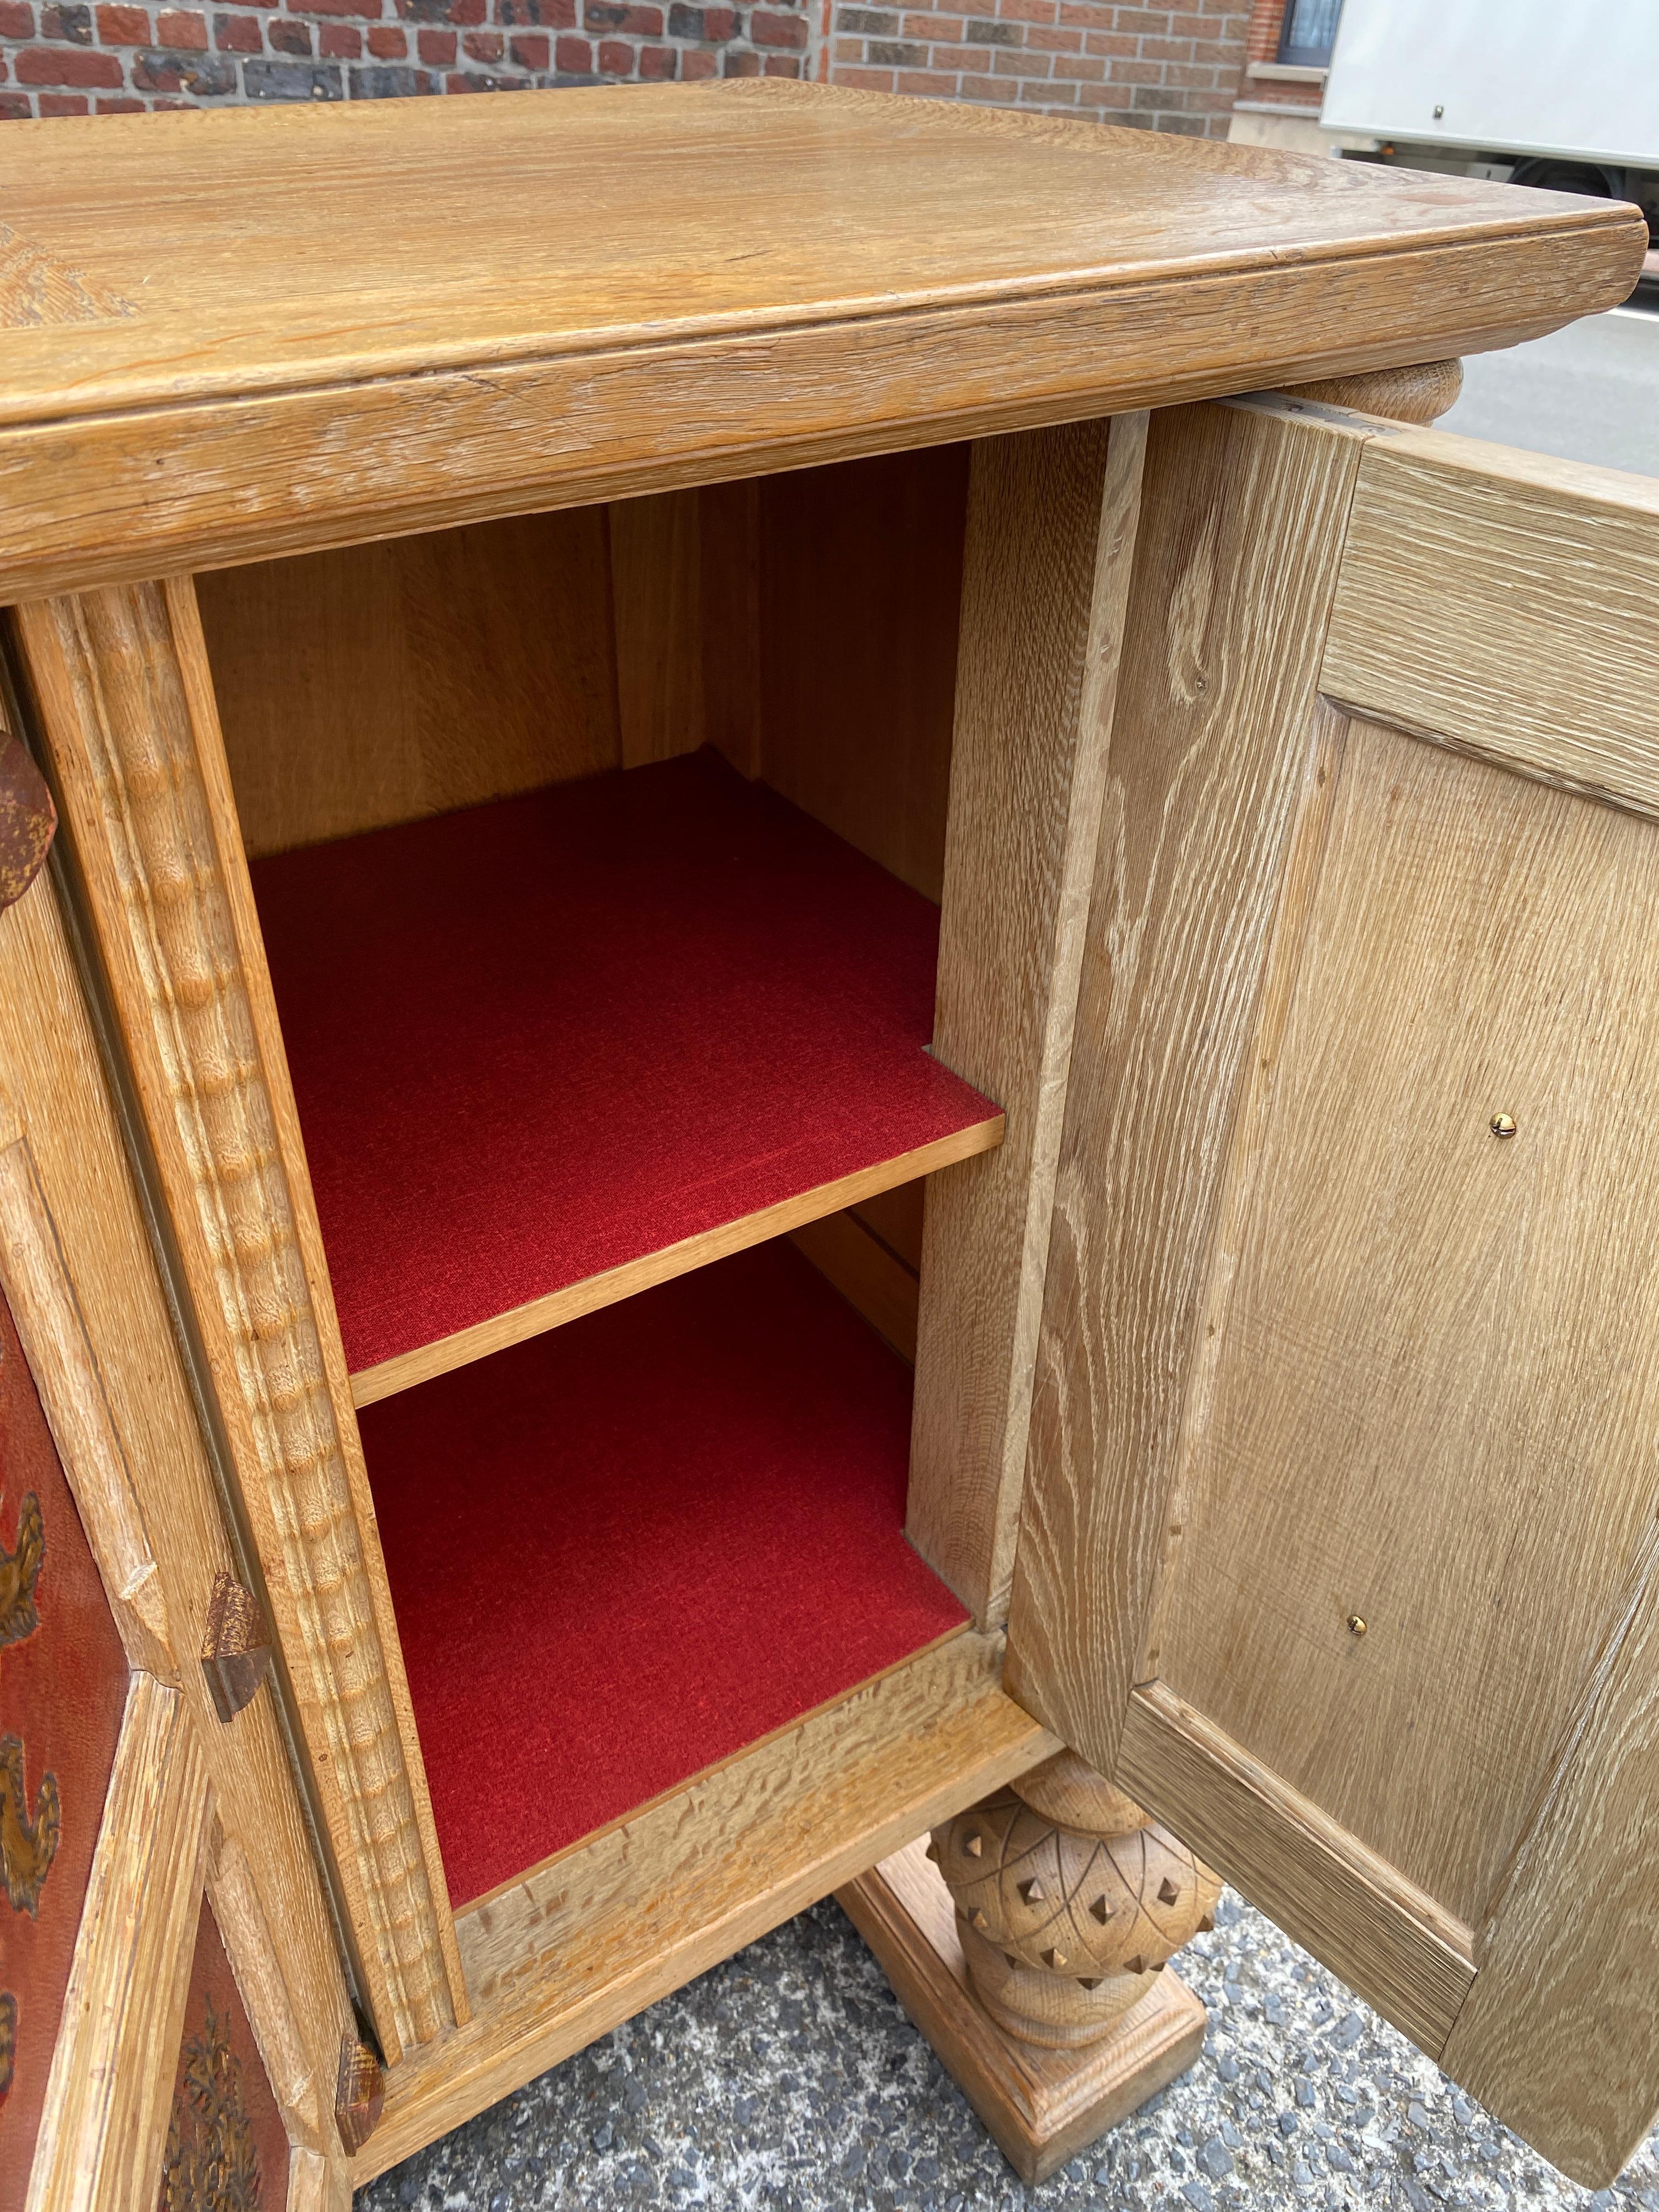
pixel 1425 1391
pixel 387 681
pixel 861 592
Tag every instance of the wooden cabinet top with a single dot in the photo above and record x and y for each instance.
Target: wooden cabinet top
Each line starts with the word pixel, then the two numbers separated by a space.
pixel 229 334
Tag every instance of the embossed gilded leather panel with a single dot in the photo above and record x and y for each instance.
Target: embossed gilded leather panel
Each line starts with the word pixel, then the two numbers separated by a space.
pixel 63 1688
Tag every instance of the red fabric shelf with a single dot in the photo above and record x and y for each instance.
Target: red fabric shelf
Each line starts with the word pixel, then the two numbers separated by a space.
pixel 536 1039
pixel 622 1551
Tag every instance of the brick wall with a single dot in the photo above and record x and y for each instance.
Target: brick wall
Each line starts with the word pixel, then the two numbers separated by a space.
pixel 111 57
pixel 1168 69
pixel 1163 68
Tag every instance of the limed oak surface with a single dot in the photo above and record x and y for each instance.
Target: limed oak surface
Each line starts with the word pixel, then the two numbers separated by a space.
pixel 288 329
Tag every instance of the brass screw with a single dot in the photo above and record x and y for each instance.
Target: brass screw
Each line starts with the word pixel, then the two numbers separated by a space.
pixel 1356 1626
pixel 1502 1125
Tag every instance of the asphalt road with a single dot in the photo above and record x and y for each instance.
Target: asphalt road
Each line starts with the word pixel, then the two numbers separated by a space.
pixel 1590 392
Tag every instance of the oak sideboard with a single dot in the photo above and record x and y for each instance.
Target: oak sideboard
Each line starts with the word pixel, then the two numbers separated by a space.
pixel 821 1068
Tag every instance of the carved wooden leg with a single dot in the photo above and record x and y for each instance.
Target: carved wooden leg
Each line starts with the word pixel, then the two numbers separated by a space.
pixel 1031 1953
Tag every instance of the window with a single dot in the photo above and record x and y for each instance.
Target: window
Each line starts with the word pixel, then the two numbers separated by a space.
pixel 1308 33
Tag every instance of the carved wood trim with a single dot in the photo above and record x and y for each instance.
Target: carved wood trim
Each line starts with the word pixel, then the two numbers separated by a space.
pixel 111 2088
pixel 126 708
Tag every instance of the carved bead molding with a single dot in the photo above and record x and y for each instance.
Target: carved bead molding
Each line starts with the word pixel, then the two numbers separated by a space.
pixel 127 705
pixel 1069 1901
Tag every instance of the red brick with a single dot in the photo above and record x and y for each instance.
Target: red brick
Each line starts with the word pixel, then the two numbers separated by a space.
pixel 656 64
pixel 122 107
pixel 483 45
pixel 72 65
pixel 287 37
pixel 340 42
pixel 64 103
pixel 933 27
pixel 436 47
pixel 572 57
pixel 767 29
pixel 1053 42
pixel 187 32
pixel 387 42
pixel 531 50
pixel 928 84
pixel 1016 61
pixel 16 20
pixel 616 59
pixel 867 80
pixel 237 34
pixel 356 8
pixel 625 17
pixel 16 108
pixel 1077 70
pixel 695 65
pixel 982 87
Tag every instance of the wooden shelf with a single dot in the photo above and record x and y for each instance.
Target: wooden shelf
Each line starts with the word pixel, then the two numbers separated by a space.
pixel 622 1552
pixel 549 1052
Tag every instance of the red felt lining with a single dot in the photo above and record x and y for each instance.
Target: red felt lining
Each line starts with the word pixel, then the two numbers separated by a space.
pixel 623 1550
pixel 536 1039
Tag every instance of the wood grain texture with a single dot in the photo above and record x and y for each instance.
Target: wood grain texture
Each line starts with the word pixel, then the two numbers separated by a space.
pixel 861 599
pixel 1467 563
pixel 1394 1944
pixel 256 1961
pixel 1042 2106
pixel 1050 540
pixel 316 2183
pixel 656 589
pixel 1420 393
pixel 54 1102
pixel 126 708
pixel 1243 516
pixel 1556 2036
pixel 384 682
pixel 1409 1312
pixel 445 1353
pixel 867 1274
pixel 110 2096
pixel 599 1932
pixel 927 272
pixel 65 1369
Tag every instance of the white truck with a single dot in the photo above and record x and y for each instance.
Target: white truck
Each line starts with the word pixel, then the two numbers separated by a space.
pixel 1559 93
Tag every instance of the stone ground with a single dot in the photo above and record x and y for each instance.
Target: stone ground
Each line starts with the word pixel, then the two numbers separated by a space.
pixel 789 2078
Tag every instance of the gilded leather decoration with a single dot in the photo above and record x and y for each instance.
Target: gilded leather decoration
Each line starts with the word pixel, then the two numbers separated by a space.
pixel 20 1570
pixel 28 1845
pixel 227 2150
pixel 63 1679
pixel 212 2162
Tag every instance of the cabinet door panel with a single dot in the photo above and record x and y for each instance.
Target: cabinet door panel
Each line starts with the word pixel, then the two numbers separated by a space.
pixel 1394 1533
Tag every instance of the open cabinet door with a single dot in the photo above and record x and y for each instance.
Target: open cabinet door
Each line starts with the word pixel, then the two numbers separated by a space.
pixel 1339 1546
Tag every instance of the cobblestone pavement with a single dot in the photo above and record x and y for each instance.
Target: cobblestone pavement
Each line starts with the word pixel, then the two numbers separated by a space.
pixel 789 2078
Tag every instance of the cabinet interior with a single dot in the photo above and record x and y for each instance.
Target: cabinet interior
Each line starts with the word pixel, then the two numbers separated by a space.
pixel 597 857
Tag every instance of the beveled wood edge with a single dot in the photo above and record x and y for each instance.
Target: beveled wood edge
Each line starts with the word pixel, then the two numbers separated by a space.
pixel 65 1372
pixel 109 2095
pixel 257 1968
pixel 316 2183
pixel 985 1241
pixel 124 704
pixel 453 446
pixel 536 1316
pixel 570 1855
pixel 811 1834
pixel 1388 1939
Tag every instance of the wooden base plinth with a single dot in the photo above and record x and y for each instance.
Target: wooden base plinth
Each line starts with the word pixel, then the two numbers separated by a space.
pixel 1042 2106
